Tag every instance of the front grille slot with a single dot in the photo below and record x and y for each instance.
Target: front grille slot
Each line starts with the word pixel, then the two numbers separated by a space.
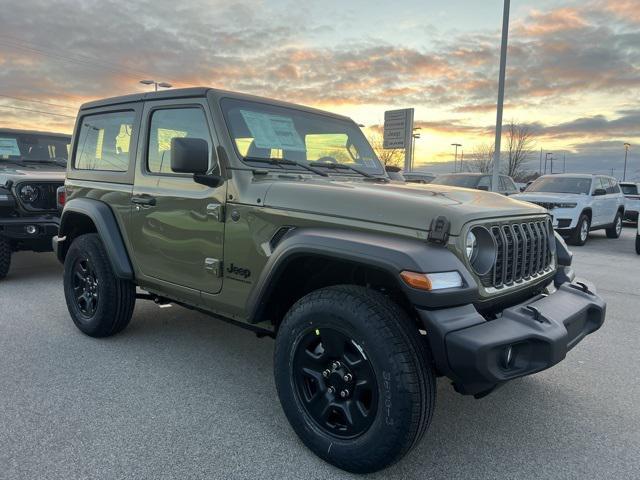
pixel 523 252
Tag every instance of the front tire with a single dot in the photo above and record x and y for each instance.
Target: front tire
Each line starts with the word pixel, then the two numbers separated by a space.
pixel 638 244
pixel 615 230
pixel 5 256
pixel 99 303
pixel 580 234
pixel 354 377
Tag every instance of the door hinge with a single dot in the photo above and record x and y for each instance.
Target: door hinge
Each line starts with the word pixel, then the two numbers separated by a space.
pixel 213 266
pixel 216 210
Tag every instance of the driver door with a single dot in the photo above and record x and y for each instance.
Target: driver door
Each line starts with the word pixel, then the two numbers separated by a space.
pixel 178 224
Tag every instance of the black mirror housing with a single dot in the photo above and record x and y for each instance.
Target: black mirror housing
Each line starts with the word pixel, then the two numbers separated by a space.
pixel 599 191
pixel 189 155
pixel 483 187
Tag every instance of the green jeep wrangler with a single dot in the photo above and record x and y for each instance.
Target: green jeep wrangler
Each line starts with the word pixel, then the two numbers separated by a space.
pixel 32 170
pixel 281 219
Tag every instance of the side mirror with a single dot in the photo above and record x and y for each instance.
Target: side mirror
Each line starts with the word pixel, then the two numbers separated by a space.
pixel 483 187
pixel 189 155
pixel 599 191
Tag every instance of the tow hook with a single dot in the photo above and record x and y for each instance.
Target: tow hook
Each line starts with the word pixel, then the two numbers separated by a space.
pixel 537 315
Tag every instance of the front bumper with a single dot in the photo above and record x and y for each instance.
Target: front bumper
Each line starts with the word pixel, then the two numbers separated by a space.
pixel 38 229
pixel 473 352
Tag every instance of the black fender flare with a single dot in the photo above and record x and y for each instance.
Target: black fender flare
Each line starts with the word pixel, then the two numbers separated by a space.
pixel 107 228
pixel 392 254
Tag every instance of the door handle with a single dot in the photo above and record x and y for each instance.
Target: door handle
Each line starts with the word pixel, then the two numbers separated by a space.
pixel 145 200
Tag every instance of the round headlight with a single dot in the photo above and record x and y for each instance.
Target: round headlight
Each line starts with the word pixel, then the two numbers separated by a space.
pixel 471 245
pixel 29 193
pixel 481 250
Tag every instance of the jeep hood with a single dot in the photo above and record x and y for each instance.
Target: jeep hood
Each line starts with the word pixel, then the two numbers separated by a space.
pixel 46 172
pixel 404 205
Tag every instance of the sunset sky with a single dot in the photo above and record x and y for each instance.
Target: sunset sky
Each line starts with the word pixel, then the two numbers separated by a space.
pixel 573 71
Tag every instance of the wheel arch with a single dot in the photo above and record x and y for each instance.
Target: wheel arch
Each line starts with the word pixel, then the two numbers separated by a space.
pixel 308 259
pixel 86 215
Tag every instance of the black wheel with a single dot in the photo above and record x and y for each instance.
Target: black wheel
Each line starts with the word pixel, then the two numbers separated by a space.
pixel 5 256
pixel 354 377
pixel 638 244
pixel 615 230
pixel 580 234
pixel 99 303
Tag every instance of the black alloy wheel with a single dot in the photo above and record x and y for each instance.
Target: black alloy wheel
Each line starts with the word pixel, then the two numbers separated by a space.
pixel 85 287
pixel 335 382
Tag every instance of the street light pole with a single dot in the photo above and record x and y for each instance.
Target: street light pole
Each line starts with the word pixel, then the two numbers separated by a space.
pixel 455 156
pixel 626 151
pixel 156 84
pixel 501 79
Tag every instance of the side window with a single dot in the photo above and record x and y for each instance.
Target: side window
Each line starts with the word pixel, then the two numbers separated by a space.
pixel 615 186
pixel 610 186
pixel 504 186
pixel 104 141
pixel 171 123
pixel 597 183
pixel 484 181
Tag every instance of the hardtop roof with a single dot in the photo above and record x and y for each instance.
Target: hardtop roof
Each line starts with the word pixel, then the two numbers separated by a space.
pixel 199 92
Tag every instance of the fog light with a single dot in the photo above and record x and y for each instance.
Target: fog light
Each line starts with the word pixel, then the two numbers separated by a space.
pixel 31 229
pixel 507 357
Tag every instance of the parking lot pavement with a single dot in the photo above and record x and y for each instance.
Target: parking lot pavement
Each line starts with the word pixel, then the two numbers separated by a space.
pixel 179 395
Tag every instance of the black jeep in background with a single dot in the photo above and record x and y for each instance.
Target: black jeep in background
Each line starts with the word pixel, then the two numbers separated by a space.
pixel 32 168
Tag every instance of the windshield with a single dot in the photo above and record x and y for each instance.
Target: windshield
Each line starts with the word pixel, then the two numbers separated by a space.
pixel 561 185
pixel 269 132
pixel 33 147
pixel 629 189
pixel 467 181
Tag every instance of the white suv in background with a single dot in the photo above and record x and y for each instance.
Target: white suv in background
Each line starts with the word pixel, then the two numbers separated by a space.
pixel 631 193
pixel 579 204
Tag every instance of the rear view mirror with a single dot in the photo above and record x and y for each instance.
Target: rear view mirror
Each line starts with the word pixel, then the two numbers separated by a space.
pixel 599 191
pixel 189 155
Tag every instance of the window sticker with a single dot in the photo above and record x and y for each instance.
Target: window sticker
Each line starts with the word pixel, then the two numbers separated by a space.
pixel 273 131
pixel 9 147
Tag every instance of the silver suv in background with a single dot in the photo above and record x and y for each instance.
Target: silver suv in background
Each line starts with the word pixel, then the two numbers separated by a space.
pixel 631 193
pixel 579 203
pixel 479 181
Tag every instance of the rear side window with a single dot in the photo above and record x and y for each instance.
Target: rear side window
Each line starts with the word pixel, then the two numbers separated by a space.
pixel 171 123
pixel 613 186
pixel 104 141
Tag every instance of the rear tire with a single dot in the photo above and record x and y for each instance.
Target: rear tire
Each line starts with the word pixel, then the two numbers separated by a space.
pixel 615 230
pixel 382 351
pixel 580 234
pixel 5 256
pixel 638 244
pixel 99 303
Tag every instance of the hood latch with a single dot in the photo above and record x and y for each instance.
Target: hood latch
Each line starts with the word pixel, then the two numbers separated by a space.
pixel 439 230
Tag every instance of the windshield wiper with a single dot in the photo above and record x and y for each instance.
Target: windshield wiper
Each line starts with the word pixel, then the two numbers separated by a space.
pixel 57 161
pixel 15 162
pixel 342 166
pixel 285 161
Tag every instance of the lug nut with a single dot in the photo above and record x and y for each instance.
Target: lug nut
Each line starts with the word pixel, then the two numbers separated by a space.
pixel 348 377
pixel 326 373
pixel 331 390
pixel 335 365
pixel 344 393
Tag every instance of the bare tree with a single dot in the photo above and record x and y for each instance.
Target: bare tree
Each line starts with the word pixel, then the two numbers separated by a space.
pixel 481 158
pixel 392 157
pixel 520 143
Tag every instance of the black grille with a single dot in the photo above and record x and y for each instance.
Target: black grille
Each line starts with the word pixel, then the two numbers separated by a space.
pixel 46 198
pixel 523 252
